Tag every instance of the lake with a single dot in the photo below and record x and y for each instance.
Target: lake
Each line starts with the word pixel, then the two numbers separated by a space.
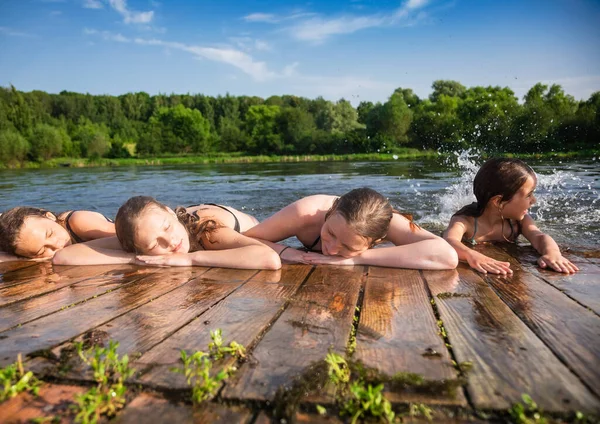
pixel 568 206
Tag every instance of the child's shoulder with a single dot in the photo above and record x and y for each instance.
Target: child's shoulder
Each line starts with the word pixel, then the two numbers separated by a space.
pixel 465 220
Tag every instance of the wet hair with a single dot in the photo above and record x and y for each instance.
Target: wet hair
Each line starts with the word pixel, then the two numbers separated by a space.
pixel 11 223
pixel 497 176
pixel 130 211
pixel 367 212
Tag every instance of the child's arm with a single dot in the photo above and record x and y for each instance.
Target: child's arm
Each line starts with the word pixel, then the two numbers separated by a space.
pixel 226 248
pixel 547 247
pixel 91 225
pixel 453 235
pixel 103 251
pixel 418 249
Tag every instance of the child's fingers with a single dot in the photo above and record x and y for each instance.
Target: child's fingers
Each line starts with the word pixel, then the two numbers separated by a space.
pixel 572 267
pixel 542 263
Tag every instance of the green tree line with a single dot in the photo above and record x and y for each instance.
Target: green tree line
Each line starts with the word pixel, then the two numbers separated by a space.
pixel 38 126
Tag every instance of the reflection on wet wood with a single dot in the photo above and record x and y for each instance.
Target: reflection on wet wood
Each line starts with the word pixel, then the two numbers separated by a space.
pixel 22 274
pixel 318 318
pixel 51 330
pixel 569 329
pixel 584 286
pixel 6 267
pixel 507 358
pixel 398 332
pixel 242 316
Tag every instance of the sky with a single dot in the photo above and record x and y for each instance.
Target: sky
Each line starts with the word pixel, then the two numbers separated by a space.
pixel 353 49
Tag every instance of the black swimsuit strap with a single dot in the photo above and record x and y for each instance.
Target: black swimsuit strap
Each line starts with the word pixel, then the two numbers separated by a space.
pixel 310 248
pixel 72 233
pixel 236 226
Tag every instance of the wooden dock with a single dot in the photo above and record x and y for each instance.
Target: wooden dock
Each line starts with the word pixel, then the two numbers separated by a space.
pixel 536 332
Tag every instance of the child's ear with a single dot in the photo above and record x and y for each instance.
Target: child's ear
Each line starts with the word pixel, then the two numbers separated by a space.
pixel 497 201
pixel 50 215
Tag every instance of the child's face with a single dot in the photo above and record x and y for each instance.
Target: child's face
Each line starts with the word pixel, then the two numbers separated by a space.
pixel 520 203
pixel 159 232
pixel 41 237
pixel 337 239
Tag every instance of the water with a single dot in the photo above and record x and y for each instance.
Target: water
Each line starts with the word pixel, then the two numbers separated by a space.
pixel 432 189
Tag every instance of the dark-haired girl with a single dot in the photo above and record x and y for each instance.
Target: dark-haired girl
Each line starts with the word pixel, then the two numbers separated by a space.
pixel 342 230
pixel 151 233
pixel 504 189
pixel 34 233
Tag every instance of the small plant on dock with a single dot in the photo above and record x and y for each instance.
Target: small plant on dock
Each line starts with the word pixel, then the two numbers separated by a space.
pixel 110 373
pixel 14 380
pixel 197 367
pixel 527 412
pixel 420 410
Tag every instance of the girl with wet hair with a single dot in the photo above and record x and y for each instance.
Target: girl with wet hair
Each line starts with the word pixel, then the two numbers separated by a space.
pixel 151 233
pixel 34 233
pixel 504 189
pixel 342 231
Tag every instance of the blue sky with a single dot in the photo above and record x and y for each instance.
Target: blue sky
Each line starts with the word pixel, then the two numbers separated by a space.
pixel 356 49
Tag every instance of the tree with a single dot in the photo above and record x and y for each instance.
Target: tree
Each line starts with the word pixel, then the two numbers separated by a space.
pixel 181 130
pixel 13 147
pixel 261 124
pixel 446 88
pixel 395 119
pixel 47 141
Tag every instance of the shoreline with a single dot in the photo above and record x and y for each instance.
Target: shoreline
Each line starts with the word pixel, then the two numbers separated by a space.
pixel 237 158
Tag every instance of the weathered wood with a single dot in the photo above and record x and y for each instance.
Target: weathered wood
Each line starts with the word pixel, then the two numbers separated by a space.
pixel 242 316
pixel 569 329
pixel 507 358
pixel 147 408
pixel 319 317
pixel 398 333
pixel 53 401
pixel 47 332
pixel 144 327
pixel 22 274
pixel 77 290
pixel 61 278
pixel 13 265
pixel 583 286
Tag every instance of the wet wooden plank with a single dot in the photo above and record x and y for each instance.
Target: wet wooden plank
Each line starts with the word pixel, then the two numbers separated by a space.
pixel 47 332
pixel 14 265
pixel 319 317
pixel 143 328
pixel 53 401
pixel 77 290
pixel 62 277
pixel 569 329
pixel 23 274
pixel 584 286
pixel 242 316
pixel 508 359
pixel 398 333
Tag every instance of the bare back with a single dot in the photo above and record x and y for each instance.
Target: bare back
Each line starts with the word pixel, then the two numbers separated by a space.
pixel 225 215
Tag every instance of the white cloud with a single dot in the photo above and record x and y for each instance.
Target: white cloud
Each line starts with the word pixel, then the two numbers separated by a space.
pixel 262 45
pixel 248 44
pixel 261 17
pixel 55 13
pixel 93 4
pixel 129 16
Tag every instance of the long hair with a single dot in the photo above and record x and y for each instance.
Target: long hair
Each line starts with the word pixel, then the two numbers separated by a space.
pixel 11 223
pixel 367 212
pixel 497 176
pixel 130 211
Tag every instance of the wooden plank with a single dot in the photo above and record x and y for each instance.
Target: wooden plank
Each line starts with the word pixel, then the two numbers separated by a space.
pixel 60 278
pixel 319 317
pixel 242 316
pixel 78 289
pixel 142 328
pixel 22 274
pixel 569 329
pixel 53 401
pixel 584 286
pixel 507 358
pixel 398 333
pixel 47 332
pixel 13 265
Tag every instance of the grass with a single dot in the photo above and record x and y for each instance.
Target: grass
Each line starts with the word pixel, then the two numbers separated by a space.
pixel 14 380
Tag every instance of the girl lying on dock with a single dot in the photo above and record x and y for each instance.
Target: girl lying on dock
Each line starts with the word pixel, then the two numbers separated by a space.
pixel 344 229
pixel 33 233
pixel 504 190
pixel 151 233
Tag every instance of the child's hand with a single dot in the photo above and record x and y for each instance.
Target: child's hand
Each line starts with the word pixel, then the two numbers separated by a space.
pixel 177 259
pixel 558 263
pixel 486 264
pixel 292 256
pixel 319 259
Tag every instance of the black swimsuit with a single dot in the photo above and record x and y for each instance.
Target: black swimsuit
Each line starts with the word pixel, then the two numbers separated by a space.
pixel 311 247
pixel 236 226
pixel 72 233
